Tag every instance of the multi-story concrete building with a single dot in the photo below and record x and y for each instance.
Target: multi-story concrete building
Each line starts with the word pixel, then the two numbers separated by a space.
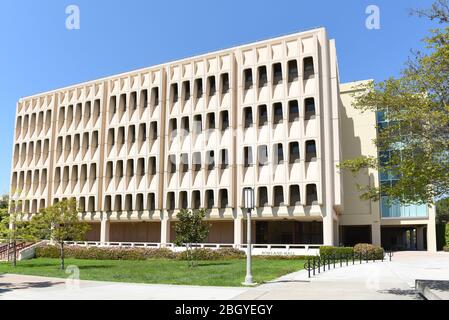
pixel 136 148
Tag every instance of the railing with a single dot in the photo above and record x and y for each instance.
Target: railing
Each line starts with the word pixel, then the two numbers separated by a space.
pixel 257 249
pixel 7 250
pixel 319 264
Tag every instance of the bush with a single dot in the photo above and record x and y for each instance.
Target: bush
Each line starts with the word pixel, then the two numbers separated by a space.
pixel 96 253
pixel 328 251
pixel 369 250
pixel 447 234
pixel 209 254
pixel 446 249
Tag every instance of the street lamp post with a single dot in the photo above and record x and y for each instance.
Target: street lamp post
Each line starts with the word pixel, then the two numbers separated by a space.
pixel 249 206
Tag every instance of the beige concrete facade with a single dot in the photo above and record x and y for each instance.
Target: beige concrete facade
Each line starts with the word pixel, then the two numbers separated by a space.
pixel 136 148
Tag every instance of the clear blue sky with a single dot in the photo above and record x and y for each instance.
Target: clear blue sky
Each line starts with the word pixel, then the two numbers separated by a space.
pixel 38 53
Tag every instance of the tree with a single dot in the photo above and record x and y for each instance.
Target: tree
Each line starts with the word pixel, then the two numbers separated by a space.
pixel 191 229
pixel 442 207
pixel 413 143
pixel 60 223
pixel 4 201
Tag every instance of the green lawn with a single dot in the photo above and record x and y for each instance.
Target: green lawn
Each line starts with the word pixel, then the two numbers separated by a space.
pixel 207 273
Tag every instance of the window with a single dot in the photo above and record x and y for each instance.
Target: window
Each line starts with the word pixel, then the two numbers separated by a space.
pixel 155 96
pixel 212 86
pixel 210 160
pixel 172 163
pixel 278 196
pixel 185 125
pixel 224 120
pixel 248 156
pixel 312 196
pixel 309 70
pixel 122 106
pixel 310 151
pixel 263 79
pixel 211 121
pixel 196 161
pixel 279 153
pixel 199 88
pixel 153 130
pixel 108 203
pixel 263 196
pixel 186 90
pixel 262 155
pixel 184 163
pixel 140 167
pixel 152 166
pixel 292 71
pixel 295 198
pixel 248 79
pixel 224 83
pixel 144 99
pixel 278 113
pixel 223 195
pixel 132 134
pixel 139 202
pixel 248 117
pixel 196 199
pixel 173 127
pixel 210 199
pixel 133 102
pixel 118 203
pixel 293 111
pixel 197 124
pixel 171 201
pixel 263 115
pixel 224 159
pixel 174 93
pixel 119 170
pixel 151 202
pixel 277 73
pixel 183 199
pixel 309 109
pixel 294 152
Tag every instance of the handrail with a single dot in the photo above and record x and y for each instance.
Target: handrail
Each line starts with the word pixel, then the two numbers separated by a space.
pixel 317 264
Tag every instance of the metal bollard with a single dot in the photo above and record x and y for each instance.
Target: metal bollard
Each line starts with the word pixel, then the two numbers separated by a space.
pixel 324 263
pixel 314 265
pixel 333 258
pixel 353 258
pixel 341 260
pixel 319 265
pixel 347 263
pixel 308 266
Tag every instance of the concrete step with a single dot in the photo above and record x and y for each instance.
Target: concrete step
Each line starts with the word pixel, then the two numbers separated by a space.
pixel 433 289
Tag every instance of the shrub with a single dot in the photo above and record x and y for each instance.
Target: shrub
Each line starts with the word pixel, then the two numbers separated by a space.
pixel 329 251
pixel 447 234
pixel 209 254
pixel 96 253
pixel 446 248
pixel 369 250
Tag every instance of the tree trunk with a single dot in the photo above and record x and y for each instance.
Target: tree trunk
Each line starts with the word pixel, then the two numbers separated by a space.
pixel 62 255
pixel 14 258
pixel 8 251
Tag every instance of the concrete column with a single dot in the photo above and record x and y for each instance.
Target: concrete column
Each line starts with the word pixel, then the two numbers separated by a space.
pixel 105 230
pixel 431 230
pixel 165 230
pixel 420 238
pixel 328 228
pixel 238 231
pixel 376 234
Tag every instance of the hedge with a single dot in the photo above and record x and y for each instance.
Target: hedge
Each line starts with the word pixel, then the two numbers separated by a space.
pixel 372 251
pixel 329 251
pixel 363 249
pixel 446 248
pixel 447 234
pixel 98 253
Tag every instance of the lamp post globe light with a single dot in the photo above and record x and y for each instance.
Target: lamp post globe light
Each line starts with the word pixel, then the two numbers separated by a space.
pixel 248 195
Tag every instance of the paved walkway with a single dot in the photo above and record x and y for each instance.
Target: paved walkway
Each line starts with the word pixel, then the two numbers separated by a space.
pixel 375 281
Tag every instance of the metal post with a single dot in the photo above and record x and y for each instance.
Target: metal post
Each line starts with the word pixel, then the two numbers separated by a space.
pixel 308 266
pixel 249 275
pixel 324 263
pixel 314 265
pixel 341 261
pixel 333 258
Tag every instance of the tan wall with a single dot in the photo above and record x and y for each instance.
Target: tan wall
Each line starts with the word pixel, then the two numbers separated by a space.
pixel 358 132
pixel 220 232
pixel 135 232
